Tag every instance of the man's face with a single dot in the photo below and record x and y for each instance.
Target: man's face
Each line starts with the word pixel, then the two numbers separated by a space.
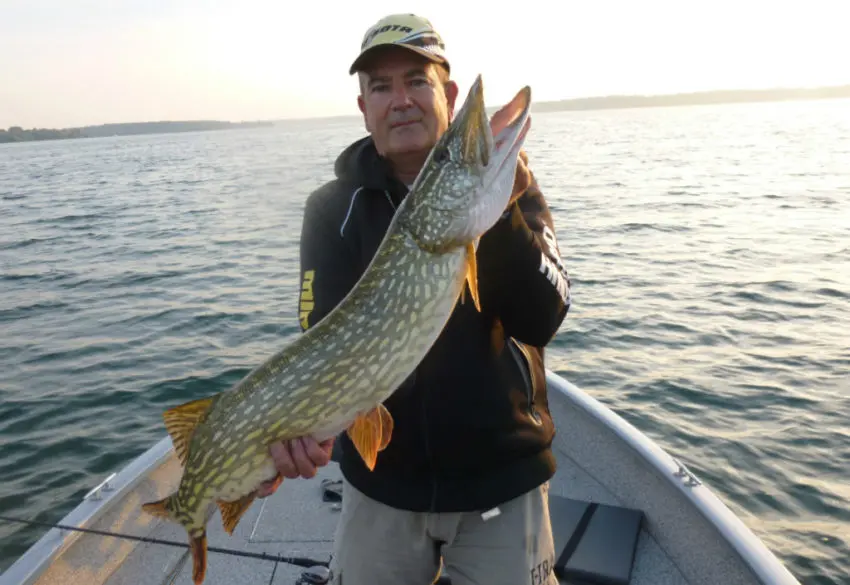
pixel 405 106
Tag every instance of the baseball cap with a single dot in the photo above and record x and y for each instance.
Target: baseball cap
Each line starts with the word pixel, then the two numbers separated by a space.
pixel 403 30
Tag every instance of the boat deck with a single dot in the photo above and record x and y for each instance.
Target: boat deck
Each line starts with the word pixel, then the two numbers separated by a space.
pixel 687 536
pixel 292 522
pixel 295 521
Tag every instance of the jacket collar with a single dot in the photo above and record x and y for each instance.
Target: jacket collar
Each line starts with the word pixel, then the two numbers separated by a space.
pixel 360 164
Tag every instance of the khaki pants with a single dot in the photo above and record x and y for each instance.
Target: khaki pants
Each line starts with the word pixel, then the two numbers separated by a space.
pixel 379 545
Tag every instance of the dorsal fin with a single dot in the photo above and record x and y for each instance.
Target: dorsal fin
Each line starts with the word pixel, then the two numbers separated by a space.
pixel 180 422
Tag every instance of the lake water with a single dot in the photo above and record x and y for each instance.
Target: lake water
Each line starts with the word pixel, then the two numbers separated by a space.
pixel 709 249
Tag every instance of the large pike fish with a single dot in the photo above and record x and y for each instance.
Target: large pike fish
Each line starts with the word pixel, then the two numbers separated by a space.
pixel 337 374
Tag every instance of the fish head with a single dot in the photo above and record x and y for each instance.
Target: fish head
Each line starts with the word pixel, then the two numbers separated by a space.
pixel 466 182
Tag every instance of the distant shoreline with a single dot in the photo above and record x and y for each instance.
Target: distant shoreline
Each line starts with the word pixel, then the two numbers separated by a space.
pixel 18 134
pixel 734 96
pixel 698 98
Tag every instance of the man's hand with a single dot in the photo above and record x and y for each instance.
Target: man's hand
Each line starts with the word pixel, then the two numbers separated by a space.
pixel 522 179
pixel 296 458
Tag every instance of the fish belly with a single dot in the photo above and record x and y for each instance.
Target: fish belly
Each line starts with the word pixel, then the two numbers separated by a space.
pixel 332 429
pixel 238 486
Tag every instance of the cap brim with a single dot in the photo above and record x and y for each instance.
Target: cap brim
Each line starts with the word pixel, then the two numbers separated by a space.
pixel 362 58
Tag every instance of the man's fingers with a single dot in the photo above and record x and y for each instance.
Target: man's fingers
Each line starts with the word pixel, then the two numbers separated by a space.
pixel 328 446
pixel 301 457
pixel 302 460
pixel 317 452
pixel 283 460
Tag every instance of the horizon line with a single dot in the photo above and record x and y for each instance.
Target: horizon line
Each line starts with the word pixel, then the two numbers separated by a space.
pixel 551 105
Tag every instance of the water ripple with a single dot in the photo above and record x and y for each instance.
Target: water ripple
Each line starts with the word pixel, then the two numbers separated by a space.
pixel 707 248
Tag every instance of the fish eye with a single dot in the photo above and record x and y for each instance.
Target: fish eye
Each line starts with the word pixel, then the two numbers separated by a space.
pixel 442 155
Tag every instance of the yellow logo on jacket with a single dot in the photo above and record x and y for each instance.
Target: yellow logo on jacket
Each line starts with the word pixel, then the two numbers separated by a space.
pixel 306 302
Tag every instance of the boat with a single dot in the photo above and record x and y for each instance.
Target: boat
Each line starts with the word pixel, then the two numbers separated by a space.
pixel 623 511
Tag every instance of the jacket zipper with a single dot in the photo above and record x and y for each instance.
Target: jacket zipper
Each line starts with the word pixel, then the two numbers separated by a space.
pixel 523 361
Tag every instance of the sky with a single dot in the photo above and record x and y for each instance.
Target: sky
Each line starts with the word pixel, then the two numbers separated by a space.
pixel 66 63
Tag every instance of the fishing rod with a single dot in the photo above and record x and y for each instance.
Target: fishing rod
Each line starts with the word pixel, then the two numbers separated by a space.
pixel 305 562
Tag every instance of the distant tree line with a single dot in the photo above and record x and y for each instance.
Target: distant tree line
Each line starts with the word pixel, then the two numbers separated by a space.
pixel 18 134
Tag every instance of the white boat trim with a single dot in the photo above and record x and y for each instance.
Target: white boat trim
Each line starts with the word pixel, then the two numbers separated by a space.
pixel 754 553
pixel 752 550
pixel 29 566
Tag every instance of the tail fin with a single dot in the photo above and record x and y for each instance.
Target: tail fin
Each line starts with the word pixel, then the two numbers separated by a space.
pixel 197 538
pixel 198 544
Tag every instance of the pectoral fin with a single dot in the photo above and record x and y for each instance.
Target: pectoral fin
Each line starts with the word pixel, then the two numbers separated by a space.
pixel 386 426
pixel 231 512
pixel 370 433
pixel 472 275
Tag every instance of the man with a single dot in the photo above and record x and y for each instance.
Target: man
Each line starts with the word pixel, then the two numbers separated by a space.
pixel 465 476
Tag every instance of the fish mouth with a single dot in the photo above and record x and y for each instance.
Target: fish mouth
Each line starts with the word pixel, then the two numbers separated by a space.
pixel 510 126
pixel 495 157
pixel 491 143
pixel 471 172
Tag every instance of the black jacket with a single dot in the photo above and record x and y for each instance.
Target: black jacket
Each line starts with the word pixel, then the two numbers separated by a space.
pixel 472 425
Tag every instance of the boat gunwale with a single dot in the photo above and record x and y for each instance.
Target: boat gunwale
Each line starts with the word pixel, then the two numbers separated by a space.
pixel 752 550
pixel 37 558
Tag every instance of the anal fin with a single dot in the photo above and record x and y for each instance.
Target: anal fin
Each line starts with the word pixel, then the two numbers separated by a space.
pixel 232 512
pixel 180 422
pixel 371 432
